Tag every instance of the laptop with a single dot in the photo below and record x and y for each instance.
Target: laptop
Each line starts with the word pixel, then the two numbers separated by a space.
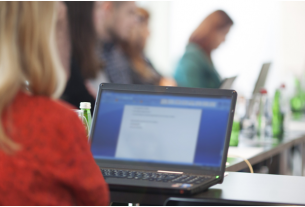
pixel 227 83
pixel 161 139
pixel 260 83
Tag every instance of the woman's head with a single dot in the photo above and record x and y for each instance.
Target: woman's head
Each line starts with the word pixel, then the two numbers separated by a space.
pixel 135 44
pixel 82 17
pixel 141 27
pixel 118 17
pixel 212 31
pixel 139 32
pixel 28 54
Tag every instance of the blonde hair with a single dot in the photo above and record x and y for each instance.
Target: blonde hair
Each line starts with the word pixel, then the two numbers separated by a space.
pixel 27 54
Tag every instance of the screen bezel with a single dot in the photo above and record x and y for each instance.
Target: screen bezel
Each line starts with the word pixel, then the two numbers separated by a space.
pixel 196 92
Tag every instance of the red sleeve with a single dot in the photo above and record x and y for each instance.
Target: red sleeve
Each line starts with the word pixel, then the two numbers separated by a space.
pixel 76 168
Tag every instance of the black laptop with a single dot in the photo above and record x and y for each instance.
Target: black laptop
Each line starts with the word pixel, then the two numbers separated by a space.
pixel 162 139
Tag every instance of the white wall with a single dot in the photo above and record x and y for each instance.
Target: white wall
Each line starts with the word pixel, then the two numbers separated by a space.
pixel 263 30
pixel 291 51
pixel 292 36
pixel 157 48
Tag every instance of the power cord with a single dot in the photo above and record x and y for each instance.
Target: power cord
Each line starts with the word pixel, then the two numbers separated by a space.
pixel 246 161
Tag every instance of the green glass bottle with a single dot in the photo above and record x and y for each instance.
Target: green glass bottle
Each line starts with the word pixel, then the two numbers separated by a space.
pixel 86 108
pixel 302 92
pixel 234 139
pixel 277 115
pixel 297 103
pixel 261 115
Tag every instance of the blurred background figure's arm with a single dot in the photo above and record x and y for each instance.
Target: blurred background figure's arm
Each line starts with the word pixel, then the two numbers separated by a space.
pixel 167 82
pixel 91 89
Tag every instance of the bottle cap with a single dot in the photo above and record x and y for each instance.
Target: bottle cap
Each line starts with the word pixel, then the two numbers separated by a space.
pixel 263 91
pixel 85 105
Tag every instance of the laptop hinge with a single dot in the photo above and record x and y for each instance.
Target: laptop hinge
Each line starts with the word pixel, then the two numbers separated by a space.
pixel 163 171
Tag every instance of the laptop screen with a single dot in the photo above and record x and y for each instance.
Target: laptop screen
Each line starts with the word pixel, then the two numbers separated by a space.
pixel 161 128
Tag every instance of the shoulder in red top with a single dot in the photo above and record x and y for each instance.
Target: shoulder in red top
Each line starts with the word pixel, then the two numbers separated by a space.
pixel 55 165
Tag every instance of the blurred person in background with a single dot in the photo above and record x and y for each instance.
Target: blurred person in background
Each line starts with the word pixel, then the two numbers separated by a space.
pixel 142 71
pixel 195 68
pixel 117 21
pixel 44 152
pixel 84 21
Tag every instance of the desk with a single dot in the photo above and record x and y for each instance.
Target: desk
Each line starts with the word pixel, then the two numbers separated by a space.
pixel 246 187
pixel 256 151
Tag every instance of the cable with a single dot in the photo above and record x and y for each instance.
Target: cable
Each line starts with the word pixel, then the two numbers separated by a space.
pixel 246 161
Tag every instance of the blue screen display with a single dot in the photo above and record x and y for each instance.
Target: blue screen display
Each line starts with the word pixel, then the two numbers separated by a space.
pixel 161 128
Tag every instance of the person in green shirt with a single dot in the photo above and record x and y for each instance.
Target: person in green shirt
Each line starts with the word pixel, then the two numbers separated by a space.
pixel 195 68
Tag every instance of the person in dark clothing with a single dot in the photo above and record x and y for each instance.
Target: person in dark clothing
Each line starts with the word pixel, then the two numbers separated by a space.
pixel 117 66
pixel 76 90
pixel 84 19
pixel 142 70
pixel 117 22
pixel 122 54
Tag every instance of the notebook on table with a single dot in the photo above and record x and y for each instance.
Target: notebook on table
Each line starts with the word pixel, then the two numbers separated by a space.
pixel 161 139
pixel 227 83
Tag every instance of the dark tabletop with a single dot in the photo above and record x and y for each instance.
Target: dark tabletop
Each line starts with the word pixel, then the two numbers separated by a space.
pixel 264 188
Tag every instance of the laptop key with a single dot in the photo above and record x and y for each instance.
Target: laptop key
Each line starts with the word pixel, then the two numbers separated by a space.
pixel 170 177
pixel 200 180
pixel 130 176
pixel 187 179
pixel 153 175
pixel 139 174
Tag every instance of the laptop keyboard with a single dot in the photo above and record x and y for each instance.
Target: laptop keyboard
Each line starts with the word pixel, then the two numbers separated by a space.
pixel 158 177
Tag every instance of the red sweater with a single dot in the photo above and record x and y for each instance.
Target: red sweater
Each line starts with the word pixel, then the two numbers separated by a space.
pixel 55 165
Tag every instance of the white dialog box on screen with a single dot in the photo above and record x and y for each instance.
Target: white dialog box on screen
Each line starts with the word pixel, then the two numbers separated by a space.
pixel 158 133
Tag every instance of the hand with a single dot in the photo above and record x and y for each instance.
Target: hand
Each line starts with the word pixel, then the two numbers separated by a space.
pixel 167 82
pixel 90 89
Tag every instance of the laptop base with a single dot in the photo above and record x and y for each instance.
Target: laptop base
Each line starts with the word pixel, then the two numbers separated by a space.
pixel 140 186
